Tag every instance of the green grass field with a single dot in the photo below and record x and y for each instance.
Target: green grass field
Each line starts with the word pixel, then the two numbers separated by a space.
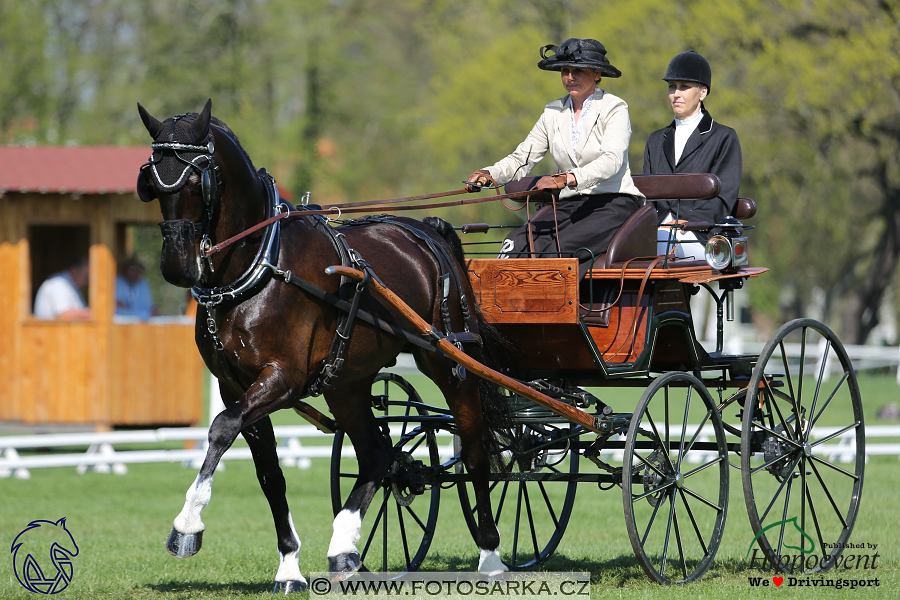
pixel 121 522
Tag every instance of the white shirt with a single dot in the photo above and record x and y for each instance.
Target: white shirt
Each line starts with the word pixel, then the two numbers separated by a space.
pixel 57 295
pixel 576 127
pixel 683 130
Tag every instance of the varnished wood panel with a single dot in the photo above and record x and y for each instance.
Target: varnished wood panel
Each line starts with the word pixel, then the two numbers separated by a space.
pixel 526 290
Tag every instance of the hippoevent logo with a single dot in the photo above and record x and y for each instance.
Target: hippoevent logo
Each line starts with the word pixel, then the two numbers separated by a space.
pixel 42 556
pixel 807 560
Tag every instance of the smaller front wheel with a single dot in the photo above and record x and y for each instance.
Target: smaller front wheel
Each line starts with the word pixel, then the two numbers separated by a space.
pixel 675 479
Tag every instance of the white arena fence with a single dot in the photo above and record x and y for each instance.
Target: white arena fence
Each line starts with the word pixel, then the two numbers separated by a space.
pixel 102 457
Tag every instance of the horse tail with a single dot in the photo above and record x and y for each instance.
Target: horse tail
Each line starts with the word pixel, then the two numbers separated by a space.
pixel 495 409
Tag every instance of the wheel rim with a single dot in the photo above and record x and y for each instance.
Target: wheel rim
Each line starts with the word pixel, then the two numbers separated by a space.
pixel 399 524
pixel 531 516
pixel 802 450
pixel 675 479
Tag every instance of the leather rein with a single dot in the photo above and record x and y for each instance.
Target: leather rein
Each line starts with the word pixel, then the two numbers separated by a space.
pixel 366 206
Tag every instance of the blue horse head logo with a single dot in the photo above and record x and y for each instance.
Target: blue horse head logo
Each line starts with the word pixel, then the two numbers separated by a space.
pixel 42 556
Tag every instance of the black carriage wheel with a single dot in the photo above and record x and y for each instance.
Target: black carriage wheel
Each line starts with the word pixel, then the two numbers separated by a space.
pixel 802 450
pixel 531 515
pixel 399 524
pixel 675 479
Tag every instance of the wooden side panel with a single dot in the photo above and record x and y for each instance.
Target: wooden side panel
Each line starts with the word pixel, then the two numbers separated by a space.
pixel 526 290
pixel 156 374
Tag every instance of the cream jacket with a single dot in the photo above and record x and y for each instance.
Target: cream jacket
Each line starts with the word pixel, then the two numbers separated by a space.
pixel 599 163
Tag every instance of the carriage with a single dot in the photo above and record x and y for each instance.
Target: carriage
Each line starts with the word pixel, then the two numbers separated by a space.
pixel 567 336
pixel 570 341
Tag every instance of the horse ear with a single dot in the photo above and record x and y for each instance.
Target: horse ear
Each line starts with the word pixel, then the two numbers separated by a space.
pixel 200 126
pixel 150 122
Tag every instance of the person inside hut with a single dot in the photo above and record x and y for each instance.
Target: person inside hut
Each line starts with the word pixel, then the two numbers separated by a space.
pixel 587 133
pixel 693 143
pixel 60 297
pixel 133 297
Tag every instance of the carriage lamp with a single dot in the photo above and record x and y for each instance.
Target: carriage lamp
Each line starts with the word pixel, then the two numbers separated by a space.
pixel 727 253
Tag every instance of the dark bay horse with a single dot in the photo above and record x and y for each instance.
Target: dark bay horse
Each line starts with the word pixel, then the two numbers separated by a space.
pixel 271 343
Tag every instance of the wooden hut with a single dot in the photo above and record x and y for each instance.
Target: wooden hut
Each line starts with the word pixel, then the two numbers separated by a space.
pixel 57 203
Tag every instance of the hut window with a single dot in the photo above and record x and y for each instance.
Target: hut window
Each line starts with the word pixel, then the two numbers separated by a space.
pixel 52 249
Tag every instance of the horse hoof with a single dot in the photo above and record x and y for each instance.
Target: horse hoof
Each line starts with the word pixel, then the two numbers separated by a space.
pixel 289 587
pixel 184 545
pixel 343 566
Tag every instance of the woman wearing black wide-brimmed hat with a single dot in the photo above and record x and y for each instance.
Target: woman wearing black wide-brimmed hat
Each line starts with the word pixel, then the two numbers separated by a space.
pixel 587 132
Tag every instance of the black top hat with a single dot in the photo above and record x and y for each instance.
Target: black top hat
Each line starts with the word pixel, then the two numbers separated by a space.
pixel 580 53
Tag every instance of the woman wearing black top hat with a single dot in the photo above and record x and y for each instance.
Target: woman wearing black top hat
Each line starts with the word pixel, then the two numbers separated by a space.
pixel 587 132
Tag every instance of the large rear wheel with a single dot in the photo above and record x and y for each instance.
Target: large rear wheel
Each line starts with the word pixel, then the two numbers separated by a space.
pixel 802 449
pixel 675 479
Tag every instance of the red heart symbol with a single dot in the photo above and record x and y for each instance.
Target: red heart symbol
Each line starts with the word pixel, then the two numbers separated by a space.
pixel 778 581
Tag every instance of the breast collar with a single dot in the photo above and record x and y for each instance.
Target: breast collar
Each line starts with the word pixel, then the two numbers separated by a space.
pixel 266 255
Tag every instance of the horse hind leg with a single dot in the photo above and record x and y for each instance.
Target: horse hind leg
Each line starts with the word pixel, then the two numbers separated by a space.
pixel 465 402
pixel 352 409
pixel 261 438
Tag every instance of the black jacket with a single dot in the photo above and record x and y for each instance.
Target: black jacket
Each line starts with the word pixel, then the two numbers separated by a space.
pixel 712 148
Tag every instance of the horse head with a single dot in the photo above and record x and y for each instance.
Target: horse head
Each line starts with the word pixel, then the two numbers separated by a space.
pixel 191 153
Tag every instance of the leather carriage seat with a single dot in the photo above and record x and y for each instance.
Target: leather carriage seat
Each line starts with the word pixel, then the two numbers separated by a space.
pixel 637 236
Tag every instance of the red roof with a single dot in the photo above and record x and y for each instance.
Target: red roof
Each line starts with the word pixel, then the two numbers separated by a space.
pixel 75 169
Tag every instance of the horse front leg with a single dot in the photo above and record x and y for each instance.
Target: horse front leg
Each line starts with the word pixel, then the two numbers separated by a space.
pixel 269 389
pixel 261 438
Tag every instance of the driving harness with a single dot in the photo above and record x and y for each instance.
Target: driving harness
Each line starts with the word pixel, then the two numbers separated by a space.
pixel 350 294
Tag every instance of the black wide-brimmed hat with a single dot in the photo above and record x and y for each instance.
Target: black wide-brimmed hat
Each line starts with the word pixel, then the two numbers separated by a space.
pixel 580 53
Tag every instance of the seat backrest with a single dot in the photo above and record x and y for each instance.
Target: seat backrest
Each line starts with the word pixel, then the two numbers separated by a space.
pixel 635 239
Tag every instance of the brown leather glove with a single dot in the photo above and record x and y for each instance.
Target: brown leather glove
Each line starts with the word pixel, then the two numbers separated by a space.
pixel 552 182
pixel 480 178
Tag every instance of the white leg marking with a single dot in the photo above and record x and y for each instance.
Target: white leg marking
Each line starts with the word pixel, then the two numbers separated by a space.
pixel 489 562
pixel 195 500
pixel 346 533
pixel 289 569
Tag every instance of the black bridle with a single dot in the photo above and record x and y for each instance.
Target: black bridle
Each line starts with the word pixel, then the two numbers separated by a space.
pixel 211 183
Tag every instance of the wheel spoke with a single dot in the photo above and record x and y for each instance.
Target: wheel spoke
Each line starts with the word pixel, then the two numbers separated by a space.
pixel 518 515
pixel 830 398
pixel 779 436
pixel 665 554
pixel 658 439
pixel 655 490
pixel 812 408
pixel 834 505
pixel 501 504
pixel 717 459
pixel 403 536
pixel 812 512
pixel 650 523
pixel 690 513
pixel 835 467
pixel 678 541
pixel 416 518
pixel 802 367
pixel 788 376
pixel 547 502
pixel 837 433
pixel 537 553
pixel 780 488
pixel 684 424
pixel 652 466
pixel 381 512
pixel 784 514
pixel 702 499
pixel 696 434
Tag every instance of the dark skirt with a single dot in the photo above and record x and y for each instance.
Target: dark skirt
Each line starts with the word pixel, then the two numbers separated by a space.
pixel 585 223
